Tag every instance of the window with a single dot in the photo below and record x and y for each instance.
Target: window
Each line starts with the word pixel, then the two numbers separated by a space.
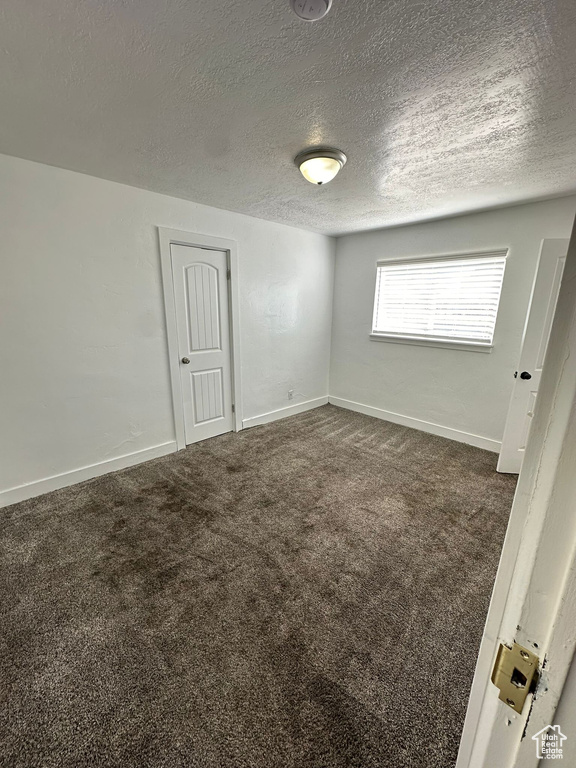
pixel 446 300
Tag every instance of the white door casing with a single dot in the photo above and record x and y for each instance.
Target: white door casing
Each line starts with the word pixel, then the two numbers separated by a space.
pixel 201 302
pixel 534 343
pixel 534 598
pixel 196 399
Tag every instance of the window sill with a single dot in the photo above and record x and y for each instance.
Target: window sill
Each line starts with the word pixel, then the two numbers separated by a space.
pixel 465 346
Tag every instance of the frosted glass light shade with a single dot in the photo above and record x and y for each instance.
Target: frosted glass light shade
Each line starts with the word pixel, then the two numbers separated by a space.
pixel 320 170
pixel 319 166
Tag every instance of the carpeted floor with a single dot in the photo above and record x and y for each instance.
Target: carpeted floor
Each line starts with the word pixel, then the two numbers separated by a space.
pixel 307 594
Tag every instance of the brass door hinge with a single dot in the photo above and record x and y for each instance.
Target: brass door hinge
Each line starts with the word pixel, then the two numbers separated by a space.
pixel 515 674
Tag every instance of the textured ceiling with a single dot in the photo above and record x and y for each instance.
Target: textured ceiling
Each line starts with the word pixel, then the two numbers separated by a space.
pixel 441 106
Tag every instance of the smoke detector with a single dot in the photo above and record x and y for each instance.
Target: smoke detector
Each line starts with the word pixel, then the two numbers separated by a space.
pixel 311 10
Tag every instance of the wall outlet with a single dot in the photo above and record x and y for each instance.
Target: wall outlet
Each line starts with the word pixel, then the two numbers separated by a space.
pixel 290 394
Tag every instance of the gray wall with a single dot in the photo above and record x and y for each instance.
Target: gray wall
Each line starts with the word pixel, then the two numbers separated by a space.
pixel 84 374
pixel 467 392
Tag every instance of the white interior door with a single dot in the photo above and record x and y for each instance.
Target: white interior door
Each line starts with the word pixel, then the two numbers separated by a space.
pixel 534 344
pixel 200 277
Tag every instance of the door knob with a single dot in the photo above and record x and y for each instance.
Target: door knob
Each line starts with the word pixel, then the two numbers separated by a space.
pixel 525 375
pixel 185 360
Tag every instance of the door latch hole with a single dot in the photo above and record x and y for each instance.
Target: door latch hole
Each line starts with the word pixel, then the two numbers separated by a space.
pixel 518 679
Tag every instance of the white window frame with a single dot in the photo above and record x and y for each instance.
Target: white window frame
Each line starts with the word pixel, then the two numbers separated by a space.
pixel 425 341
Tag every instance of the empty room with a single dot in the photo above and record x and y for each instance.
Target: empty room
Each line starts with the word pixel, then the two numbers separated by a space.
pixel 287 384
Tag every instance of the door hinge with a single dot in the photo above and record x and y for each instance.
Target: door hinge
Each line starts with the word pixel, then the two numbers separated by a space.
pixel 515 674
pixel 233 408
pixel 228 274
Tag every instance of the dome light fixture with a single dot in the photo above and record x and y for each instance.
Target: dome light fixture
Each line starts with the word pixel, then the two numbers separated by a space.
pixel 320 165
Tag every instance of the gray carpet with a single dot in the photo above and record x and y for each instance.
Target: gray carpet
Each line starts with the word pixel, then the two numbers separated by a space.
pixel 307 594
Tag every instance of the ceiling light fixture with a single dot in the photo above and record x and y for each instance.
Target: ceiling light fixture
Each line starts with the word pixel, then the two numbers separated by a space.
pixel 320 165
pixel 311 10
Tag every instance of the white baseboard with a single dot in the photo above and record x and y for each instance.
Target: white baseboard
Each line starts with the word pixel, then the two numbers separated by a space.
pixel 281 413
pixel 47 484
pixel 424 426
pixel 28 491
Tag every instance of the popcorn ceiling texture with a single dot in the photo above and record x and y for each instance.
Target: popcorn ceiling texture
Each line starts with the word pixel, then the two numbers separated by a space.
pixel 308 594
pixel 441 107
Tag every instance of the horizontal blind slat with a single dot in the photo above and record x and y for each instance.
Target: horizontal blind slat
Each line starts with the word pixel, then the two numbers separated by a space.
pixel 455 298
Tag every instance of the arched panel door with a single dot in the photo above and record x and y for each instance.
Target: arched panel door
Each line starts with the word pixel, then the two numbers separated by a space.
pixel 201 299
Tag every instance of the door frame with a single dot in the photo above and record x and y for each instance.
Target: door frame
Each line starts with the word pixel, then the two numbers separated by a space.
pixel 534 595
pixel 168 237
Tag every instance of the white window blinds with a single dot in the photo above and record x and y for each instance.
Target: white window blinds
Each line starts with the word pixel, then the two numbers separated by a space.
pixel 445 299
